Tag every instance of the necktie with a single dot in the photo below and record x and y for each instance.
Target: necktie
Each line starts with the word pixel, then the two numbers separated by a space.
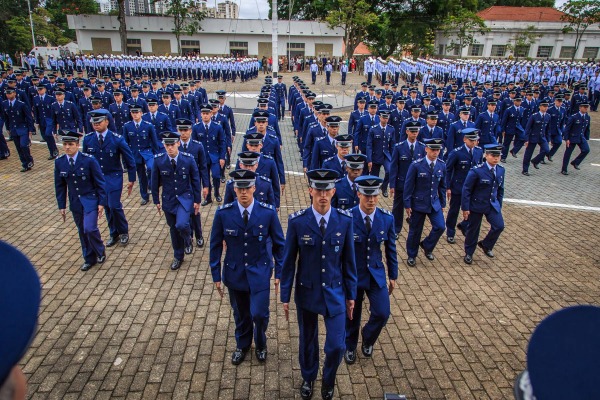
pixel 368 224
pixel 412 150
pixel 245 217
pixel 493 173
pixel 72 163
pixel 465 124
pixel 61 106
pixel 173 164
pixel 324 131
pixel 431 132
pixel 101 140
pixel 206 128
pixel 185 147
pixel 322 226
pixel 137 126
pixel 354 188
pixel 10 106
pixel 153 119
pixel 343 165
pixel 471 154
pixel 431 167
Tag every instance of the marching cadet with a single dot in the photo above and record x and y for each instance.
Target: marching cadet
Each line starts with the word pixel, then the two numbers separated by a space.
pixel 536 133
pixel 425 195
pixel 343 72
pixel 454 138
pixel 364 124
pixel 324 147
pixel 42 112
pixel 161 122
pixel 119 110
pixel 557 123
pixel 248 160
pixel 186 110
pixel 178 202
pixel 19 124
pixel 196 150
pixel 328 68
pixel 459 163
pixel 320 238
pixel 169 109
pixel 430 130
pixel 266 165
pixel 246 226
pixel 380 145
pixel 79 176
pixel 373 228
pixel 355 115
pixel 65 115
pixel 280 96
pixel 576 133
pixel 97 106
pixel 485 181
pixel 512 128
pixel 488 123
pixel 212 137
pixel 343 144
pixel 143 141
pixel 225 110
pixel 415 117
pixel 137 100
pixel 314 68
pixel 112 152
pixel 398 116
pixel 403 155
pixel 345 196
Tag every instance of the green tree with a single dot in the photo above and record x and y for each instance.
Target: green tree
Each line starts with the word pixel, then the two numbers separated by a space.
pixel 58 10
pixel 522 41
pixel 353 16
pixel 303 10
pixel 462 27
pixel 10 9
pixel 384 38
pixel 46 34
pixel 579 15
pixel 483 4
pixel 186 19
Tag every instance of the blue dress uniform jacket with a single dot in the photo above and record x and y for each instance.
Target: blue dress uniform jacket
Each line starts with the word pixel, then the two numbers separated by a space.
pixel 271 147
pixel 120 114
pixel 402 134
pixel 268 169
pixel 536 133
pixel 19 122
pixel 84 106
pixel 361 133
pixel 423 191
pixel 67 117
pixel 512 121
pixel 263 193
pixel 144 145
pixel 577 128
pixel 314 132
pixel 401 160
pixel 557 122
pixel 455 136
pixel 162 122
pixel 459 164
pixel 186 110
pixel 322 150
pixel 106 97
pixel 139 101
pixel 173 112
pixel 353 120
pixel 196 150
pixel 397 118
pixel 345 196
pixel 213 141
pixel 227 112
pixel 426 133
pixel 180 188
pixel 335 164
pixel 380 144
pixel 489 127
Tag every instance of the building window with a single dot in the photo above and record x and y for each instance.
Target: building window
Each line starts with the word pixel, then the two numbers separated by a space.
pixel 441 49
pixel 544 51
pixel 134 46
pixel 188 46
pixel 456 51
pixel 567 52
pixel 522 51
pixel 238 45
pixel 295 46
pixel 590 52
pixel 476 50
pixel 498 50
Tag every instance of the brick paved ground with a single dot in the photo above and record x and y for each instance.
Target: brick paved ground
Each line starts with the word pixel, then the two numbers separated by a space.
pixel 134 329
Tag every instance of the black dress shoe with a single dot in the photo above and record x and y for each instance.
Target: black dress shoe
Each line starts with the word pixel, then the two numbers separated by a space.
pixel 206 202
pixel 144 202
pixel 367 350
pixel 51 157
pixel 513 154
pixel 111 242
pixel 397 236
pixel 101 258
pixel 549 158
pixel 564 172
pixel 428 254
pixel 188 248
pixel 86 266
pixel 238 356
pixel 461 228
pixel 306 390
pixel 486 251
pixel 468 259
pixel 503 160
pixel 326 393
pixel 124 239
pixel 385 193
pixel 222 179
pixel 411 262
pixel 261 354
pixel 200 242
pixel 543 162
pixel 526 173
pixel 575 166
pixel 536 166
pixel 350 356
pixel 450 239
pixel 219 199
pixel 176 264
pixel 25 169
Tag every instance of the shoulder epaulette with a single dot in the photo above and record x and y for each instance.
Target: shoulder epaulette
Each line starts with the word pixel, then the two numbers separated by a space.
pixel 330 158
pixel 116 135
pixel 158 155
pixel 498 165
pixel 477 147
pixel 264 178
pixel 196 141
pixel 383 210
pixel 185 154
pixel 339 180
pixel 273 135
pixel 265 205
pixel 417 161
pixel 442 161
pixel 319 138
pixel 297 214
pixel 266 156
pixel 344 212
pixel 229 182
pixel 160 112
pixel 61 156
pixel 225 206
pixel 88 134
pixel 85 154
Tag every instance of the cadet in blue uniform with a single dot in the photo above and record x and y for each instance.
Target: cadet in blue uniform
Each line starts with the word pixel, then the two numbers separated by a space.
pixel 454 138
pixel 403 155
pixel 161 122
pixel 79 176
pixel 459 163
pixel 345 196
pixel 488 123
pixel 557 123
pixel 324 147
pixel 576 133
pixel 266 165
pixel 119 110
pixel 483 182
pixel 42 112
pixel 536 133
pixel 343 145
pixel 212 137
pixel 112 152
pixel 248 160
pixel 425 195
pixel 196 150
pixel 178 202
pixel 144 144
pixel 246 226
pixel 281 97
pixel 319 256
pixel 364 124
pixel 19 124
pixel 512 128
pixel 380 145
pixel 373 228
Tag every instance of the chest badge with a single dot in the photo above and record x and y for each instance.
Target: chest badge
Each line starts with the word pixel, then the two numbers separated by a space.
pixel 338 234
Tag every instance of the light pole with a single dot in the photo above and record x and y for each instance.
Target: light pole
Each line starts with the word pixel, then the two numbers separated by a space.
pixel 31 22
pixel 275 33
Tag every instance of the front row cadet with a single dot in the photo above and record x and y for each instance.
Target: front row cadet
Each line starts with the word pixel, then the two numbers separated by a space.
pixel 319 255
pixel 178 174
pixel 248 161
pixel 576 134
pixel 246 226
pixel 373 228
pixel 425 195
pixel 80 173
pixel 345 196
pixel 485 181
pixel 343 143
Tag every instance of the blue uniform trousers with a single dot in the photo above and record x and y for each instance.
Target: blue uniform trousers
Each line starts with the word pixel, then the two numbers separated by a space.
pixel 144 172
pixel 215 171
pixel 4 150
pixel 417 220
pixel 344 74
pixel 22 143
pixel 379 307
pixel 89 235
pixel 369 77
pixel 313 76
pixel 452 216
pixel 251 315
pixel 280 108
pixel 181 232
pixel 335 346
pixel 375 168
pixel 496 227
pixel 555 146
pixel 115 216
pixel 398 210
pixel 584 147
pixel 544 149
pixel 46 132
pixel 328 76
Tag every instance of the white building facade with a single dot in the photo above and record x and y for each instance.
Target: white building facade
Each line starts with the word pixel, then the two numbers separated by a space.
pixel 149 35
pixel 505 23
